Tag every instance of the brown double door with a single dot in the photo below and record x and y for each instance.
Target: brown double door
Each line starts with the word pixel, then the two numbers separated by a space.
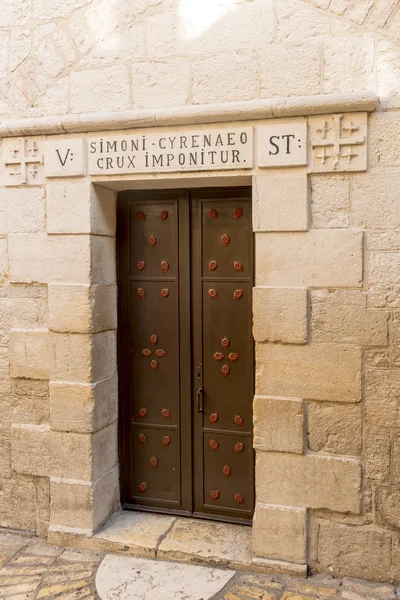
pixel 185 263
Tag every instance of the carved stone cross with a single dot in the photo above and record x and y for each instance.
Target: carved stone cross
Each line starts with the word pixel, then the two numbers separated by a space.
pixel 24 161
pixel 342 137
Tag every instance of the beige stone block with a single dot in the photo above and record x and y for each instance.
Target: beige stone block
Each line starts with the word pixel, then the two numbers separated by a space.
pixel 224 77
pixel 84 505
pixel 349 65
pixel 388 240
pixel 330 201
pixel 161 84
pixel 384 280
pixel 321 258
pixel 4 262
pixel 25 210
pixel 84 358
pixel 311 481
pixel 83 408
pixel 396 339
pixel 31 354
pixel 84 456
pixel 280 202
pixel 320 372
pixel 334 428
pixel 5 452
pixel 354 552
pixel 396 460
pixel 384 130
pixel 341 316
pixel 30 449
pixel 296 23
pixel 18 503
pixel 280 315
pixel 278 424
pixel 103 260
pixel 290 69
pixel 377 358
pixel 82 308
pixel 43 505
pixel 388 73
pixel 377 453
pixel 382 397
pixel 80 208
pixel 279 532
pixel 396 558
pixel 375 200
pixel 100 89
pixel 128 42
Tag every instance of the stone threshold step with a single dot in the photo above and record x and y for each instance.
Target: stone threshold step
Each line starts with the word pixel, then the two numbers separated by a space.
pixel 180 539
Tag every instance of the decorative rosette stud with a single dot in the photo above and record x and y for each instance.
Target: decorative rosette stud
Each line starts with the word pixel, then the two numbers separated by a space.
pixel 215 495
pixel 140 216
pixel 152 240
pixel 153 339
pixel 213 418
pixel 213 213
pixel 213 294
pixel 164 266
pixel 213 265
pixel 142 413
pixel 166 440
pixel 237 265
pixel 140 265
pixel 225 370
pixel 165 413
pixel 142 438
pixel 239 420
pixel 239 498
pixel 154 462
pixel 239 447
pixel 233 356
pixel 146 352
pixel 164 215
pixel 164 293
pixel 214 445
pixel 225 342
pixel 143 486
pixel 225 239
pixel 154 365
pixel 218 356
pixel 237 294
pixel 227 470
pixel 141 293
pixel 237 213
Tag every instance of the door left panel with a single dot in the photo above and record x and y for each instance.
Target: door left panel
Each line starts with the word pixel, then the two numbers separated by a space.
pixel 153 473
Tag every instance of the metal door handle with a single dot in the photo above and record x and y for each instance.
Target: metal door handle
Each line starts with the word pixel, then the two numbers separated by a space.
pixel 200 400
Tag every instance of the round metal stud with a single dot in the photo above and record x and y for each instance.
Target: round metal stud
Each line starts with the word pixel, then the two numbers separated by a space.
pixel 227 470
pixel 166 440
pixel 141 293
pixel 215 495
pixel 164 293
pixel 143 486
pixel 146 352
pixel 154 462
pixel 142 438
pixel 213 265
pixel 233 356
pixel 165 413
pixel 239 420
pixel 140 265
pixel 140 216
pixel 237 294
pixel 153 339
pixel 213 213
pixel 214 445
pixel 239 498
pixel 152 240
pixel 237 213
pixel 154 365
pixel 237 265
pixel 213 418
pixel 164 215
pixel 225 240
pixel 225 342
pixel 225 370
pixel 164 266
pixel 219 356
pixel 213 294
pixel 239 447
pixel 160 353
pixel 142 412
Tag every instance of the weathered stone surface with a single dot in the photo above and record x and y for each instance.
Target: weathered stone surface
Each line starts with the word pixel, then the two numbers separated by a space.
pixel 5 452
pixel 334 429
pixel 30 449
pixel 310 481
pixel 30 402
pixel 82 308
pixel 330 201
pixel 377 358
pixel 43 505
pixel 385 135
pixel 319 372
pixel 387 506
pixel 280 315
pixel 161 84
pixel 279 532
pixel 84 456
pixel 224 77
pixel 377 453
pixel 349 65
pixel 278 424
pixel 384 281
pixel 382 397
pixel 396 339
pixel 101 89
pixel 18 503
pixel 297 23
pixel 25 210
pixel 315 258
pixel 84 505
pixel 355 552
pixel 83 408
pixel 374 200
pixel 341 316
pixel 280 202
pixel 31 354
pixel 389 240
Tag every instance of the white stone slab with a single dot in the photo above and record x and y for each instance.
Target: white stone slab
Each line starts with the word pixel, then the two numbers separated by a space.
pixel 64 158
pixel 282 144
pixel 23 161
pixel 338 142
pixel 185 150
pixel 127 578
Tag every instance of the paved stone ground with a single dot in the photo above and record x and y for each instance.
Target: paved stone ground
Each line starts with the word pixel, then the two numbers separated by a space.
pixel 30 569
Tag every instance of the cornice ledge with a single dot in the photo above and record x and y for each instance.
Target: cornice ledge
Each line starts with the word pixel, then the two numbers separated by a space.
pixel 192 115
